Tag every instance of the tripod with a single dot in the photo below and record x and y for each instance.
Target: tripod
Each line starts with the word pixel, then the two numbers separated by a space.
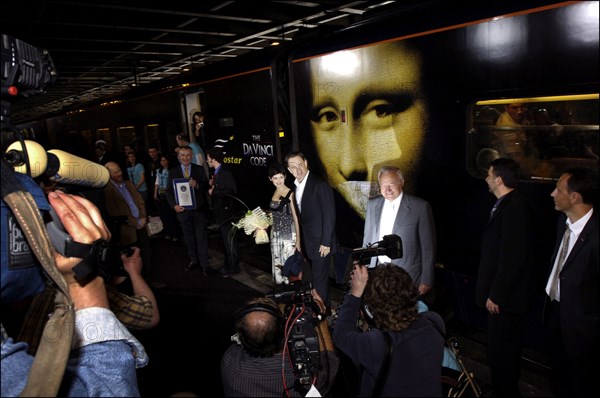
pixel 465 380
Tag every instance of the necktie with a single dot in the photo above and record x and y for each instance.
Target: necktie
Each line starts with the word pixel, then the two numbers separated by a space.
pixel 494 209
pixel 561 261
pixel 186 172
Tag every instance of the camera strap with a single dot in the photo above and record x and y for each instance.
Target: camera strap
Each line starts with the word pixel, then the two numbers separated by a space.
pixel 385 366
pixel 48 367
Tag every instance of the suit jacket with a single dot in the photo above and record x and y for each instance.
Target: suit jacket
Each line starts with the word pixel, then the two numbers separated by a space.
pixel 580 290
pixel 415 226
pixel 224 188
pixel 317 218
pixel 116 206
pixel 506 262
pixel 197 173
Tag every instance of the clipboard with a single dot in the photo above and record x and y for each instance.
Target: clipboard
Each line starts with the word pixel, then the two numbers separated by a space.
pixel 184 193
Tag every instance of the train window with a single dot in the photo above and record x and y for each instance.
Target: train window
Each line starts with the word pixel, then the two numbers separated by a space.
pixel 86 136
pixel 104 134
pixel 152 134
pixel 544 134
pixel 126 136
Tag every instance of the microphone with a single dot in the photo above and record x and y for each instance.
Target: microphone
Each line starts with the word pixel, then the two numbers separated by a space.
pixel 59 166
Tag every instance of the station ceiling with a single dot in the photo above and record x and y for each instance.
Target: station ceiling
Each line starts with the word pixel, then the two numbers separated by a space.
pixel 103 49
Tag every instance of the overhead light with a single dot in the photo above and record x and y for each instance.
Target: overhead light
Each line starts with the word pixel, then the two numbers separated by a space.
pixel 277 42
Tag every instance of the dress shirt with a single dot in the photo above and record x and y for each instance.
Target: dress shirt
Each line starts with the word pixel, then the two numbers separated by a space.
pixel 388 218
pixel 300 189
pixel 576 229
pixel 93 370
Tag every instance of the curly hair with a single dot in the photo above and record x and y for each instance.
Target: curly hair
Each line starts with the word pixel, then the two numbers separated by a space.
pixel 392 298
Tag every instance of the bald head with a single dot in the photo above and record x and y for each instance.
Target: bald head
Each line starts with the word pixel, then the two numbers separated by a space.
pixel 115 171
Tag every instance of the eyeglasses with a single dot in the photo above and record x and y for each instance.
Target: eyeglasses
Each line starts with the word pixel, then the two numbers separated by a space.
pixel 386 186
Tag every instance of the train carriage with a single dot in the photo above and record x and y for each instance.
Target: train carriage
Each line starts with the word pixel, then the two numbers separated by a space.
pixel 416 91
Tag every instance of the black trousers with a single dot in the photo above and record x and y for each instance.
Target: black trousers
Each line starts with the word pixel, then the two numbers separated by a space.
pixel 193 226
pixel 504 352
pixel 571 374
pixel 232 260
pixel 318 275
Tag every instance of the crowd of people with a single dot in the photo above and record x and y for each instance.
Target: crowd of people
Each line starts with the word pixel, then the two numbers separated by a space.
pixel 398 350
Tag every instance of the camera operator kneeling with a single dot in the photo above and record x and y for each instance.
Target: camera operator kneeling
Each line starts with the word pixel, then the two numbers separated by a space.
pixel 416 341
pixel 260 365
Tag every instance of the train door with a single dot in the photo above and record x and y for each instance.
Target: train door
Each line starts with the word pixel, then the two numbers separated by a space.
pixel 192 102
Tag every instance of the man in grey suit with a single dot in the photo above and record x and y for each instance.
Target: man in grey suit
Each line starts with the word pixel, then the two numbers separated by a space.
pixel 409 217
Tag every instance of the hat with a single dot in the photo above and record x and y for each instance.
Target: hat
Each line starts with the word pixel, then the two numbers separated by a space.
pixel 101 142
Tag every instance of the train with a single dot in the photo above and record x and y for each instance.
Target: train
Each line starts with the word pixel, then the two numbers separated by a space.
pixel 423 92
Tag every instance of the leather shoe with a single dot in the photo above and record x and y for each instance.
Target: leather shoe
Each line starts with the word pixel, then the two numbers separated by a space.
pixel 228 274
pixel 189 267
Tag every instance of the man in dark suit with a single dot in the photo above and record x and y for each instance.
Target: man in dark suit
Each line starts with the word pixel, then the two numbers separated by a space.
pixel 192 219
pixel 504 278
pixel 222 190
pixel 572 311
pixel 409 217
pixel 314 199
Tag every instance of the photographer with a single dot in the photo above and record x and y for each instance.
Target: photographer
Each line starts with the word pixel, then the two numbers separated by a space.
pixel 260 364
pixel 129 298
pixel 101 363
pixel 416 340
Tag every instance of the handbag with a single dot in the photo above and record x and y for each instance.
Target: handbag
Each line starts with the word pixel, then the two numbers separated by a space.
pixel 154 225
pixel 293 265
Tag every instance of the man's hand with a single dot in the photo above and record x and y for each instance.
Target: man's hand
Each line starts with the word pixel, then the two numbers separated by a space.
pixel 142 222
pixel 492 307
pixel 358 279
pixel 82 220
pixel 324 250
pixel 424 289
pixel 133 263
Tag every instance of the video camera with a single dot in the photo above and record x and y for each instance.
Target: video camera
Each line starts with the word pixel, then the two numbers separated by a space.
pixel 302 315
pixel 28 71
pixel 101 258
pixel 390 245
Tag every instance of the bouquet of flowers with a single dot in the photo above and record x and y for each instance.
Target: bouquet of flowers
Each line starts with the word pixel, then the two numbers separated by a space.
pixel 256 222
